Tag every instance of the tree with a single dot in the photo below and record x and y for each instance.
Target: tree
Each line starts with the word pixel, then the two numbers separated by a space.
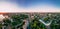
pixel 56 22
pixel 21 16
pixel 7 23
pixel 18 20
pixel 36 24
pixel 0 26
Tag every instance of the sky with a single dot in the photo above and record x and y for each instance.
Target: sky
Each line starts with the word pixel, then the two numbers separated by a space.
pixel 29 5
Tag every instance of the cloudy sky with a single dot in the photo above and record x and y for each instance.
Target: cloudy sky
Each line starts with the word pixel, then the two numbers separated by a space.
pixel 29 5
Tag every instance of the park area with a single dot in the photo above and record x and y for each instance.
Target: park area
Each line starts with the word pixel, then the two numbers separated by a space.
pixel 30 21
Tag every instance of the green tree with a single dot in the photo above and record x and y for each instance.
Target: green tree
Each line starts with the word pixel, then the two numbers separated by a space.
pixel 56 22
pixel 0 26
pixel 7 22
pixel 36 24
pixel 18 20
pixel 21 16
